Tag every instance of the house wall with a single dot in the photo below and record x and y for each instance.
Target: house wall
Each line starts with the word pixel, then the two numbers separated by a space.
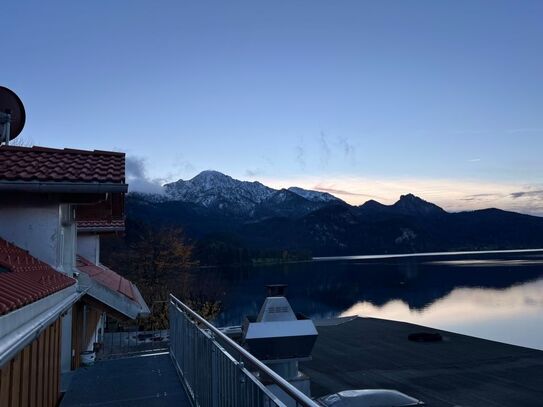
pixel 46 229
pixel 32 377
pixel 88 246
pixel 33 227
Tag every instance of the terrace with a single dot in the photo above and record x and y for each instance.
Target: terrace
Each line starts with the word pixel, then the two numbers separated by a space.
pixel 205 367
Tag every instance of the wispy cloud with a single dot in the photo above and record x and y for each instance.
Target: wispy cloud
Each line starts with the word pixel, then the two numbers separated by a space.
pixel 474 160
pixel 529 194
pixel 340 192
pixel 184 166
pixel 469 131
pixel 525 130
pixel 348 149
pixel 137 178
pixel 299 151
pixel 267 159
pixel 482 197
pixel 452 195
pixel 251 173
pixel 324 150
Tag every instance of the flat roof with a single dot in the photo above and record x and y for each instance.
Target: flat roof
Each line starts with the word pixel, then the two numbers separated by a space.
pixel 369 353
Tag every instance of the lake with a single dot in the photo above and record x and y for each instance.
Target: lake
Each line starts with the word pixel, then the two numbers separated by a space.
pixel 497 296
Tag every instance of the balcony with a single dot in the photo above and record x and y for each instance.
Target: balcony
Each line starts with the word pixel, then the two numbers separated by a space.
pixel 203 367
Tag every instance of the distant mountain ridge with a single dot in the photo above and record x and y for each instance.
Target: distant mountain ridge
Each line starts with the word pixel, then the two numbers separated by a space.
pixel 240 214
pixel 215 190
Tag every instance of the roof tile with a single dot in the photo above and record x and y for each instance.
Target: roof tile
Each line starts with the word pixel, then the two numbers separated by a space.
pixel 99 225
pixel 106 277
pixel 25 278
pixel 60 165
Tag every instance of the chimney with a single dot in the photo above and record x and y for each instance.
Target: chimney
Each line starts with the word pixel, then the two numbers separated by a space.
pixel 280 338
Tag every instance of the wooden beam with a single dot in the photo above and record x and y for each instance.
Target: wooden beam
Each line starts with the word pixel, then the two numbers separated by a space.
pixel 25 376
pixel 5 379
pixel 39 389
pixel 56 363
pixel 46 363
pixel 33 373
pixel 15 380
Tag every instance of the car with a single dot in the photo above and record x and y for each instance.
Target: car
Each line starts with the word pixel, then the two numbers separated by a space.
pixel 369 398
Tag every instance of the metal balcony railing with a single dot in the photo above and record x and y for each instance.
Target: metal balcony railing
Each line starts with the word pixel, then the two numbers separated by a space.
pixel 218 372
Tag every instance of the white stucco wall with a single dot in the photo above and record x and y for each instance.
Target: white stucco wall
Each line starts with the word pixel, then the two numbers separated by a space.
pixel 88 246
pixel 38 227
pixel 33 227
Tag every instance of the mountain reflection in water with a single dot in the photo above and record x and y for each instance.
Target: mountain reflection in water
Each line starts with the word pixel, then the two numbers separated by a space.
pixel 513 315
pixel 494 296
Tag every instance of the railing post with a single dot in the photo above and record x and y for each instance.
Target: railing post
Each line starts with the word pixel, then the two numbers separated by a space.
pixel 214 373
pixel 242 390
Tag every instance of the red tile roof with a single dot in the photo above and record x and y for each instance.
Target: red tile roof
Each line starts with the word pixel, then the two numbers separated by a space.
pixel 106 277
pixel 25 279
pixel 60 165
pixel 100 225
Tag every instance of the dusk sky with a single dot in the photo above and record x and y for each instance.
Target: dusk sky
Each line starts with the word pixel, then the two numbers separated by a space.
pixel 364 99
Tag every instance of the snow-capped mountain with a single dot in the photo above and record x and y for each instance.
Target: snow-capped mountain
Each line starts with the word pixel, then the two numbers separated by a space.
pixel 286 203
pixel 213 189
pixel 315 196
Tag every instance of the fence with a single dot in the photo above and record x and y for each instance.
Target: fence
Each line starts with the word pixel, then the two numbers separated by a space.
pixel 126 343
pixel 217 371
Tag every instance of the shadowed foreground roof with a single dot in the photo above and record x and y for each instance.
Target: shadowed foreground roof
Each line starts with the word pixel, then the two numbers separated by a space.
pixel 25 279
pixel 41 164
pixel 107 277
pixel 111 289
pixel 458 371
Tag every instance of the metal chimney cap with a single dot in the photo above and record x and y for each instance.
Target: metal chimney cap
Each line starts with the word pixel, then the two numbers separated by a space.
pixel 276 290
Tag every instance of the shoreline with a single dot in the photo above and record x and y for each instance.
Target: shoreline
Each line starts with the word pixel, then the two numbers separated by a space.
pixel 425 254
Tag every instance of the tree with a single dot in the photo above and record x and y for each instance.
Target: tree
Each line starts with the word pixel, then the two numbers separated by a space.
pixel 158 252
pixel 158 261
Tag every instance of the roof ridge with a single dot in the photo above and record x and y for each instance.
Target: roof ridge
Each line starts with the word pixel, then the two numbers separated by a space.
pixel 43 164
pixel 42 149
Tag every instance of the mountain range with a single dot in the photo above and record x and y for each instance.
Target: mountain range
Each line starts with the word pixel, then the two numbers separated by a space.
pixel 217 191
pixel 214 207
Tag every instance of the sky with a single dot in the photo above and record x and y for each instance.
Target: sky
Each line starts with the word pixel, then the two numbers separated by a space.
pixel 363 99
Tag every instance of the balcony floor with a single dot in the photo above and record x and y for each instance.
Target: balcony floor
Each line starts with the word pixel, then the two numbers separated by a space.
pixel 145 381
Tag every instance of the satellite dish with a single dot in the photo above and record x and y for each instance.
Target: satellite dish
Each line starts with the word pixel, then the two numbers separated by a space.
pixel 12 115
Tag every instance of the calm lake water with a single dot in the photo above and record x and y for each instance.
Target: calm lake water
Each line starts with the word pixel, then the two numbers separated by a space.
pixel 493 296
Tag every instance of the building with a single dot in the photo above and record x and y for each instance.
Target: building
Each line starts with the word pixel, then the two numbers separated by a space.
pixel 54 292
